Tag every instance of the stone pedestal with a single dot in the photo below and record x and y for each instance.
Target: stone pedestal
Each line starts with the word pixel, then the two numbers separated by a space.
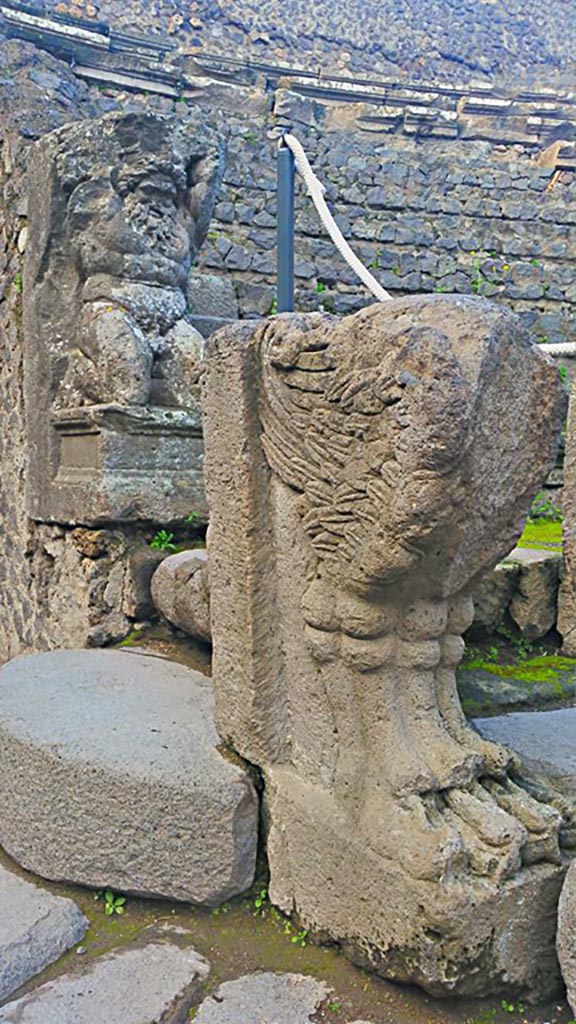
pixel 120 463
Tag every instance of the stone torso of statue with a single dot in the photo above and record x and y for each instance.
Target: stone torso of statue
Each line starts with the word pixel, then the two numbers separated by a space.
pixel 132 227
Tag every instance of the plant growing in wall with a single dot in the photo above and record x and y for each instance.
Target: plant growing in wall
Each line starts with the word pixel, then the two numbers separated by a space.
pixel 163 541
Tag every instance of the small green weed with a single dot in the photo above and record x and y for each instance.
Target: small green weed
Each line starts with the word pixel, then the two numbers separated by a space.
pixel 320 287
pixel 112 904
pixel 223 909
pixel 563 375
pixel 297 938
pixel 163 541
pixel 274 307
pixel 261 901
pixel 18 282
pixel 511 1007
pixel 192 518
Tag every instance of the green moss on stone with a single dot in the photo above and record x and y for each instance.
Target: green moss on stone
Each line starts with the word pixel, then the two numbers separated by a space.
pixel 541 533
pixel 547 668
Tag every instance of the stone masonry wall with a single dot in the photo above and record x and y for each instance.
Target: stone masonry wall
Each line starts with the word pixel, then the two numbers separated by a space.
pixel 448 38
pixel 423 214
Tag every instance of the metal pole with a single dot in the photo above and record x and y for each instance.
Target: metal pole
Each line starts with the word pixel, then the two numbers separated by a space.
pixel 285 228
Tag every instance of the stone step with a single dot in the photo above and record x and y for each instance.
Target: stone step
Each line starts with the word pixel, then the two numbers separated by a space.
pixel 545 740
pixel 36 928
pixel 155 983
pixel 111 777
pixel 265 996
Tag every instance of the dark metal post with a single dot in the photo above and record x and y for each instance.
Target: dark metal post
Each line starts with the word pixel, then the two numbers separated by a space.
pixel 285 222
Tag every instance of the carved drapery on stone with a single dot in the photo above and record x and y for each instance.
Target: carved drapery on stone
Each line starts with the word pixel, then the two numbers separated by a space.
pixel 361 475
pixel 118 209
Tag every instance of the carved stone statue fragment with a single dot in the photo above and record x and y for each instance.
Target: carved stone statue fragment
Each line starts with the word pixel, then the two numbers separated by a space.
pixel 361 474
pixel 119 207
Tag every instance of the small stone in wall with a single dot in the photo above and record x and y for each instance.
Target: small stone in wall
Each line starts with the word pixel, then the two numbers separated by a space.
pixel 492 597
pixel 212 295
pixel 534 605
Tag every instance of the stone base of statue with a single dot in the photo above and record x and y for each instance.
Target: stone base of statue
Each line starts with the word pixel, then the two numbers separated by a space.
pixel 121 464
pixel 458 934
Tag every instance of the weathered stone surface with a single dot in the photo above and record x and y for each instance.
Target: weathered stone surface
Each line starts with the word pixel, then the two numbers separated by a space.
pixel 281 998
pixel 566 940
pixel 567 596
pixel 35 929
pixel 210 295
pixel 526 586
pixel 118 210
pixel 156 982
pixel 151 806
pixel 354 503
pixel 545 740
pixel 143 562
pixel 492 597
pixel 181 592
pixel 534 605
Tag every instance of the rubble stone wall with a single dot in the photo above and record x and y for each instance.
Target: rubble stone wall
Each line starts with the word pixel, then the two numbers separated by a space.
pixel 450 37
pixel 425 214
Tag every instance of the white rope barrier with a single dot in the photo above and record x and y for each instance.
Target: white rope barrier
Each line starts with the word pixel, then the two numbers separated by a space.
pixel 316 192
pixel 560 348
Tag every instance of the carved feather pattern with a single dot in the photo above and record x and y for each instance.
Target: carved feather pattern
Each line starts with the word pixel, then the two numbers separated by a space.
pixel 365 423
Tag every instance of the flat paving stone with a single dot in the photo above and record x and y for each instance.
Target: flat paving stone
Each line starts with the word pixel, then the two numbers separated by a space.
pixel 263 998
pixel 36 928
pixel 546 740
pixel 155 984
pixel 111 777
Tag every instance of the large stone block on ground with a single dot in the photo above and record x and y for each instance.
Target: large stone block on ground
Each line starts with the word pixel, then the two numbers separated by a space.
pixel 155 983
pixel 36 928
pixel 255 998
pixel 110 776
pixel 181 592
pixel 362 474
pixel 545 740
pixel 566 939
